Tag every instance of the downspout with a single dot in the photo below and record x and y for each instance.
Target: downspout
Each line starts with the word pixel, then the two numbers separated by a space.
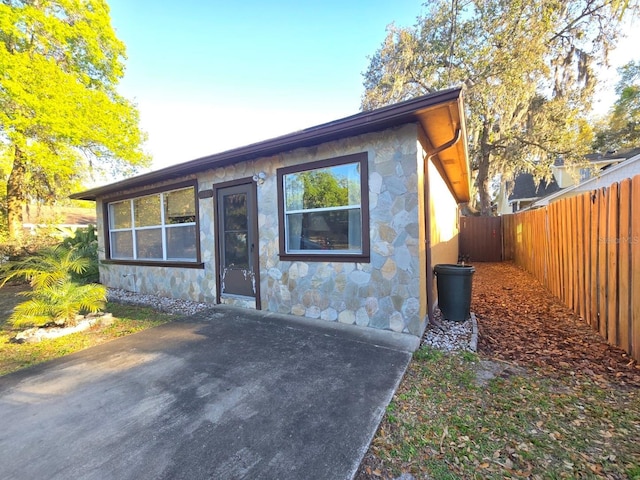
pixel 427 218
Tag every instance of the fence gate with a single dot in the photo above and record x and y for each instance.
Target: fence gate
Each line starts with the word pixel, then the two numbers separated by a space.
pixel 480 239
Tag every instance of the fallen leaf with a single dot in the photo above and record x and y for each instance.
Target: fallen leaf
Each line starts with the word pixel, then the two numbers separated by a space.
pixel 597 468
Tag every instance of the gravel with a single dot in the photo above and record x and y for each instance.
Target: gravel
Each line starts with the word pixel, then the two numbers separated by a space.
pixel 441 334
pixel 450 336
pixel 163 304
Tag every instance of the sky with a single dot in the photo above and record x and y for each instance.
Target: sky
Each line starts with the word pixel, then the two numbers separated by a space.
pixel 210 75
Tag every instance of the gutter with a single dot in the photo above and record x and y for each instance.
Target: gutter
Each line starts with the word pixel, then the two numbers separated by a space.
pixel 427 216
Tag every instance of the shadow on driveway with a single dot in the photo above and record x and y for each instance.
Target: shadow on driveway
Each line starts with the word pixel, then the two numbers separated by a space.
pixel 227 394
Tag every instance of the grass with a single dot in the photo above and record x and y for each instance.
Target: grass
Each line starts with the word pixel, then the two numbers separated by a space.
pixel 443 423
pixel 128 319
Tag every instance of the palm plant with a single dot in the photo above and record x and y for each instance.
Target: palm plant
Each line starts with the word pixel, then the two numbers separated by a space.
pixel 84 242
pixel 54 297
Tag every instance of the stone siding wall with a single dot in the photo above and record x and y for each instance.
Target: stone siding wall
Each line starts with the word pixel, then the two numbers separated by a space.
pixel 385 293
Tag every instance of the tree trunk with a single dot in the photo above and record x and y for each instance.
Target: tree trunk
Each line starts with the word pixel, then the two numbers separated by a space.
pixel 16 195
pixel 483 181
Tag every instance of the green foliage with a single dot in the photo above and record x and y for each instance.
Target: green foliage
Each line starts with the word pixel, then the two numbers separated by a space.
pixel 527 68
pixel 428 354
pixel 323 189
pixel 127 319
pixel 621 128
pixel 54 297
pixel 59 303
pixel 84 243
pixel 60 113
pixel 16 249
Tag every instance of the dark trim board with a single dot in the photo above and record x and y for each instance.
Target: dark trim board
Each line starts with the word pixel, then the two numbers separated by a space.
pixel 363 159
pixel 144 192
pixel 401 113
pixel 147 263
pixel 253 218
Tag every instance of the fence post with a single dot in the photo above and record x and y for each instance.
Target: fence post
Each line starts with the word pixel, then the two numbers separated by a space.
pixel 624 279
pixel 635 266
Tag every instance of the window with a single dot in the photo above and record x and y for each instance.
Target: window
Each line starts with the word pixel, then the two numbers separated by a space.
pixel 323 211
pixel 160 227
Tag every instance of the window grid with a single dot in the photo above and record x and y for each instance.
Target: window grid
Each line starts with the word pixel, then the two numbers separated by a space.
pixel 133 229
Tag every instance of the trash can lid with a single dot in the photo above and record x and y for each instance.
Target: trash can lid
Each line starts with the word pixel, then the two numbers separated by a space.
pixel 454 269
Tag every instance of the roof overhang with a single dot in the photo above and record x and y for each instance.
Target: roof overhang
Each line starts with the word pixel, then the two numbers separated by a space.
pixel 440 114
pixel 445 129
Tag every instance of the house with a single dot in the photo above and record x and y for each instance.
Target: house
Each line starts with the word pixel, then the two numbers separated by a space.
pixel 597 163
pixel 524 192
pixel 612 173
pixel 339 222
pixel 64 219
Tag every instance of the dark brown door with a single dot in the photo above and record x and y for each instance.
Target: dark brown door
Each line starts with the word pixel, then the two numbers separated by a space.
pixel 237 240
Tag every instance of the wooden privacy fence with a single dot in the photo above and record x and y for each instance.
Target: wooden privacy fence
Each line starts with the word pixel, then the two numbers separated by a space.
pixel 586 251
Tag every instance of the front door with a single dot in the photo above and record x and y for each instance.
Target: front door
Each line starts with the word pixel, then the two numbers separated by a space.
pixel 236 213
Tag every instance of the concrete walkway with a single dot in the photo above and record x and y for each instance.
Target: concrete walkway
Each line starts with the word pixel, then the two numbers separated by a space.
pixel 228 394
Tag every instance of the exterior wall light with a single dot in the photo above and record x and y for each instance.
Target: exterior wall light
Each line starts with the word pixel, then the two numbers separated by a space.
pixel 259 178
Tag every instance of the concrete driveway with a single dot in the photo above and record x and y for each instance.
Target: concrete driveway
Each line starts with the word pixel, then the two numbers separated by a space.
pixel 227 394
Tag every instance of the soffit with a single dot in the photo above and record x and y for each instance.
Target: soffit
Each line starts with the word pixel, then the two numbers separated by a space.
pixel 441 124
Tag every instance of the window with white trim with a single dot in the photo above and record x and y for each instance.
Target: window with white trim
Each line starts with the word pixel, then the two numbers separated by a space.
pixel 322 208
pixel 159 227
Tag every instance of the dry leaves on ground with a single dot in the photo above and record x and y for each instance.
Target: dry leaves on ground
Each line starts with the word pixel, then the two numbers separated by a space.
pixel 520 321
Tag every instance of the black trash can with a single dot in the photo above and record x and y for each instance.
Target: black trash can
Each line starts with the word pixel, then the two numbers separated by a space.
pixel 454 290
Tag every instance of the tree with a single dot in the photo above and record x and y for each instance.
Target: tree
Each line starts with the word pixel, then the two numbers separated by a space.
pixel 621 128
pixel 528 71
pixel 60 113
pixel 323 189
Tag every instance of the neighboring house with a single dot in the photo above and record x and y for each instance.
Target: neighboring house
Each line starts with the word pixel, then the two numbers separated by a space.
pixel 523 192
pixel 613 173
pixel 37 217
pixel 340 222
pixel 569 176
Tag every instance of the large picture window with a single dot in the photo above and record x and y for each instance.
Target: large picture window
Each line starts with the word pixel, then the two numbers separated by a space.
pixel 324 209
pixel 160 227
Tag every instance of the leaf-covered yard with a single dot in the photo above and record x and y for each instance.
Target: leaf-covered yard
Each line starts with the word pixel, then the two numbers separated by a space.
pixel 544 398
pixel 520 321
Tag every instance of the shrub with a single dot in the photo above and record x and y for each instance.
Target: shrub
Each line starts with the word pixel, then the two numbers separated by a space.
pixel 84 242
pixel 55 296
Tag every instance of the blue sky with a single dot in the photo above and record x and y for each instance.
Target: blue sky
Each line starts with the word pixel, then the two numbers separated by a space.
pixel 212 75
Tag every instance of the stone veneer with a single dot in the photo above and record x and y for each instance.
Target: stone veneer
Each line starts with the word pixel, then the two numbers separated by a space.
pixel 386 293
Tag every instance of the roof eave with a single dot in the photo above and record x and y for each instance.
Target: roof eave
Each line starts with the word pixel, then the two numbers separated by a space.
pixel 364 122
pixel 443 123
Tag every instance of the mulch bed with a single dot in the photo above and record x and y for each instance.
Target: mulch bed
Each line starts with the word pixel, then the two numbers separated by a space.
pixel 521 322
